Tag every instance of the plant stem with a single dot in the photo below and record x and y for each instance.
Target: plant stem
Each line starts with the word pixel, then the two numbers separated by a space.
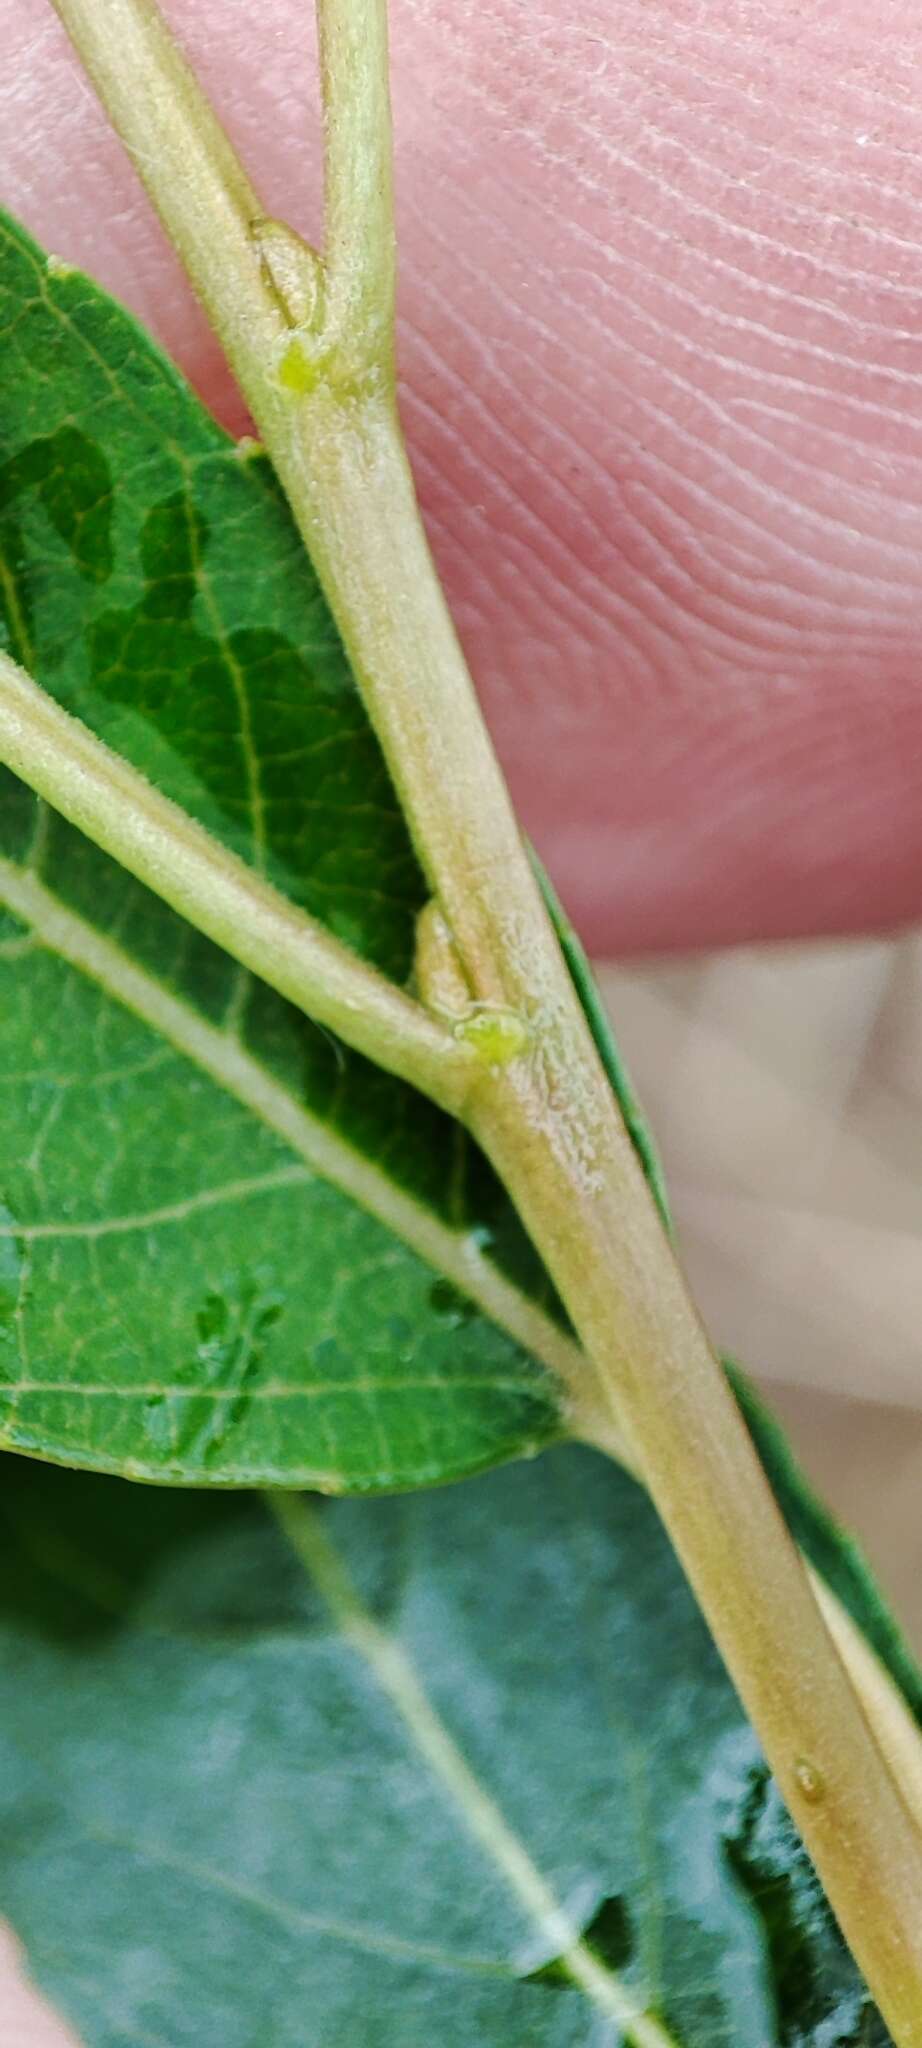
pixel 359 248
pixel 324 404
pixel 223 897
pixel 890 1717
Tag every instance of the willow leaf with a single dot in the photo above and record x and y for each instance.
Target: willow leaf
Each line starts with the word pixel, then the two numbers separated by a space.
pixel 478 1778
pixel 229 1250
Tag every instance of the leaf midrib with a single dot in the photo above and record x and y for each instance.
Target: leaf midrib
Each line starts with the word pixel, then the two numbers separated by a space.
pixel 396 1675
pixel 393 1671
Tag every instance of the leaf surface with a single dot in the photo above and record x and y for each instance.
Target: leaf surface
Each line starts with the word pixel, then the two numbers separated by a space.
pixel 399 1788
pixel 230 1251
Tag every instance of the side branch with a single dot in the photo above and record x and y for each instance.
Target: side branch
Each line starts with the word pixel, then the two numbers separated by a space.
pixel 177 144
pixel 173 855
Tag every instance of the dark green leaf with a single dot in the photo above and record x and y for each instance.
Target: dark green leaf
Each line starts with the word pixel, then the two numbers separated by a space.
pixel 181 1296
pixel 242 1806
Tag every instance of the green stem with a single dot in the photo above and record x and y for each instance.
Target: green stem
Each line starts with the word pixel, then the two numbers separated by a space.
pixel 359 249
pixel 324 404
pixel 223 897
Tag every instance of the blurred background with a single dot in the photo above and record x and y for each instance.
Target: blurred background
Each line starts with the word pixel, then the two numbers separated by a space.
pixel 785 1088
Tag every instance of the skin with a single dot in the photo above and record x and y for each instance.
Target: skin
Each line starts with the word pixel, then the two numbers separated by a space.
pixel 661 346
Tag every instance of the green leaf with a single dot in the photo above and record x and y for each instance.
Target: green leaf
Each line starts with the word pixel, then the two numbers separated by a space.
pixel 184 1295
pixel 242 1805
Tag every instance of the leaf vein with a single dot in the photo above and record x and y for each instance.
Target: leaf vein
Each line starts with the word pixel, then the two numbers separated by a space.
pixel 398 1679
pixel 456 1254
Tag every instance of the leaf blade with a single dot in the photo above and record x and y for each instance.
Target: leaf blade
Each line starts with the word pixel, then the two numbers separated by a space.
pixel 224 1771
pixel 455 1399
pixel 125 515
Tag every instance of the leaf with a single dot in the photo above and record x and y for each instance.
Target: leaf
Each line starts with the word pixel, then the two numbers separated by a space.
pixel 184 1295
pixel 381 1803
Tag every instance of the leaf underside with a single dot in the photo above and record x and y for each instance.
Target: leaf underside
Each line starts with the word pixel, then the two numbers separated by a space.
pixel 219 1824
